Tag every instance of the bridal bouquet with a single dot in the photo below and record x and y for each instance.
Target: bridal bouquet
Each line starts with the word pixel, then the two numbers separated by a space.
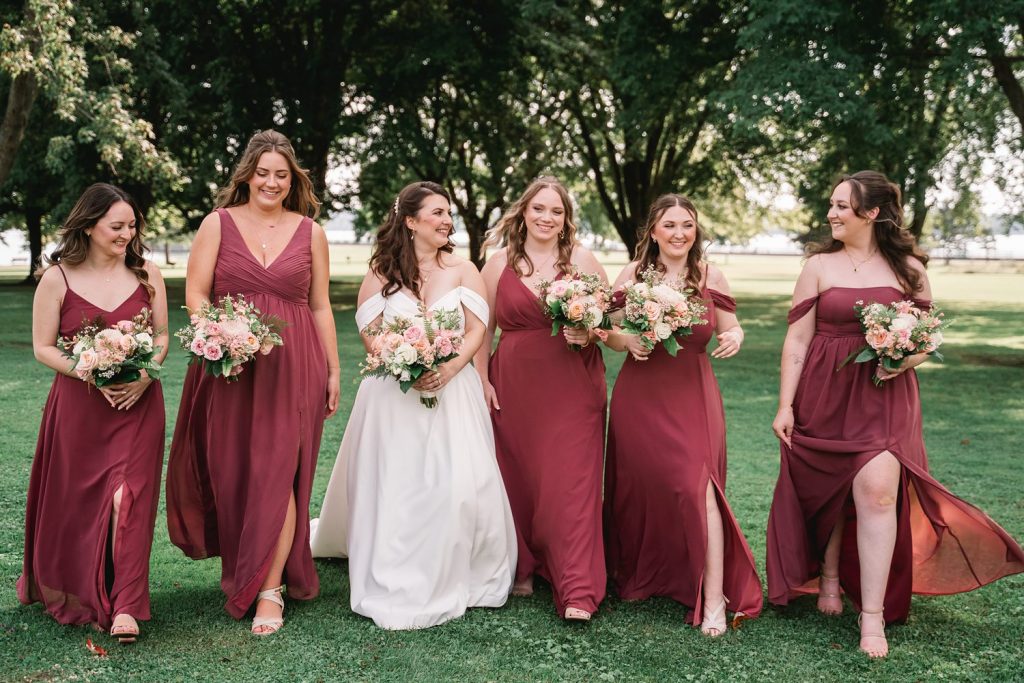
pixel 896 331
pixel 116 354
pixel 405 349
pixel 658 310
pixel 580 300
pixel 225 336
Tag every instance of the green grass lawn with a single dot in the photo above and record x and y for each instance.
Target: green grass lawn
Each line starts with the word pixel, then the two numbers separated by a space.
pixel 973 407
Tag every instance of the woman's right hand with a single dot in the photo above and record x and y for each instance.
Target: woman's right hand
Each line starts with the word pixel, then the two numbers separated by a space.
pixel 490 396
pixel 636 347
pixel 783 425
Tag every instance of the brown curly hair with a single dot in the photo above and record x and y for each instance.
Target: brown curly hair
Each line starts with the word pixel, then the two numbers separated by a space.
pixel 73 243
pixel 394 257
pixel 869 190
pixel 510 231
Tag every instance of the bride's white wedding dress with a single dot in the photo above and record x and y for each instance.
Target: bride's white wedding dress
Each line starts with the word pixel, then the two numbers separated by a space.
pixel 416 500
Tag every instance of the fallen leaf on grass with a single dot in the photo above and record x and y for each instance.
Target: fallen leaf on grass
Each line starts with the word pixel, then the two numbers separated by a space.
pixel 95 649
pixel 738 619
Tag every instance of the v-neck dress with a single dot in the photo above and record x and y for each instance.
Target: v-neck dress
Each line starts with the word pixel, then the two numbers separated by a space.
pixel 241 448
pixel 549 436
pixel 86 451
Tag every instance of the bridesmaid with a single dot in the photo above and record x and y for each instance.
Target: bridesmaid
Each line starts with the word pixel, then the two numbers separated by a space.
pixel 668 528
pixel 855 507
pixel 242 459
pixel 95 479
pixel 547 403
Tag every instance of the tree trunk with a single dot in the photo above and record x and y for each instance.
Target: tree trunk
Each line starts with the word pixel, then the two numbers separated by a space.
pixel 20 99
pixel 34 226
pixel 1008 82
pixel 476 228
pixel 167 254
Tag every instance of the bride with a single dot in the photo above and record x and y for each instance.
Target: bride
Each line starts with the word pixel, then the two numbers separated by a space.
pixel 416 500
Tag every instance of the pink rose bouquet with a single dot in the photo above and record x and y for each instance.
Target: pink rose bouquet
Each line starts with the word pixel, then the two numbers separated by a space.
pixel 580 300
pixel 896 331
pixel 405 349
pixel 661 311
pixel 116 354
pixel 226 336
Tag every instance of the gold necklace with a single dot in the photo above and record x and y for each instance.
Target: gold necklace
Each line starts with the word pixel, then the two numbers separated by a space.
pixel 858 266
pixel 264 238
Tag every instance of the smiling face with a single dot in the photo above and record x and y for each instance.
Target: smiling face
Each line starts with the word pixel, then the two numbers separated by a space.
pixel 114 230
pixel 545 215
pixel 432 224
pixel 270 182
pixel 675 232
pixel 843 218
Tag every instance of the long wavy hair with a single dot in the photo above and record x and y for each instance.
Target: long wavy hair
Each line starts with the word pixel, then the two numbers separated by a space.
pixel 301 199
pixel 510 231
pixel 394 256
pixel 647 248
pixel 869 190
pixel 73 242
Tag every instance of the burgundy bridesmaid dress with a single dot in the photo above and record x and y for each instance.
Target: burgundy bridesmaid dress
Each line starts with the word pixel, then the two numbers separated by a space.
pixel 943 544
pixel 241 448
pixel 86 451
pixel 549 435
pixel 666 441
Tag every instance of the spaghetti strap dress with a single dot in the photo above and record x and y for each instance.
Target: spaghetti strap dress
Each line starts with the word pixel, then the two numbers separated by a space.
pixel 85 452
pixel 241 448
pixel 549 436
pixel 944 545
pixel 666 441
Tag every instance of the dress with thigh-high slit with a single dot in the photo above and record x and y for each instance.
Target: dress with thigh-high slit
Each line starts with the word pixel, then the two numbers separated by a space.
pixel 240 449
pixel 86 451
pixel 549 436
pixel 666 442
pixel 943 545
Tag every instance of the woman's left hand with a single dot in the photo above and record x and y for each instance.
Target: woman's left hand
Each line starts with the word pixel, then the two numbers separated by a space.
pixel 576 335
pixel 435 379
pixel 124 396
pixel 909 362
pixel 729 343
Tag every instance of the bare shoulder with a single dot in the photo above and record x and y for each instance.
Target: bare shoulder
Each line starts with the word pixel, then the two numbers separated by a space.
pixel 495 262
pixel 210 227
pixel 372 284
pixel 153 270
pixel 628 273
pixel 914 264
pixel 51 281
pixel 715 277
pixel 583 257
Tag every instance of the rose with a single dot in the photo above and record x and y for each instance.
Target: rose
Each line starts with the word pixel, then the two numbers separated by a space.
pixel 652 309
pixel 405 354
pixel 127 343
pixel 145 341
pixel 108 337
pixel 125 326
pixel 595 315
pixel 575 311
pixel 878 338
pixel 903 321
pixel 213 352
pixel 558 289
pixel 413 334
pixel 86 362
pixel 267 345
pixel 80 345
pixel 662 331
pixel 444 346
pixel 934 341
pixel 198 346
pixel 641 289
pixel 212 329
pixel 666 296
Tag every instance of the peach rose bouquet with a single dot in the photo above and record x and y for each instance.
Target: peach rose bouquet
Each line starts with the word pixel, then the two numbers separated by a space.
pixel 660 311
pixel 113 354
pixel 580 300
pixel 226 336
pixel 896 331
pixel 406 348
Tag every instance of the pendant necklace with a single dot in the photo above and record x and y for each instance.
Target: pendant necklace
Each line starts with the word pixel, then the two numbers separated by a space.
pixel 857 266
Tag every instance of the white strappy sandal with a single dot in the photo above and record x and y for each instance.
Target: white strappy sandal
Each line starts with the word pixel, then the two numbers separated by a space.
pixel 271 624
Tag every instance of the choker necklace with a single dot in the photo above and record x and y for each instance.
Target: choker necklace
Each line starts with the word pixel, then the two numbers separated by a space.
pixel 857 266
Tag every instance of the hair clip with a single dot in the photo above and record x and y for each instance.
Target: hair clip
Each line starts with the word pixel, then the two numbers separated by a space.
pixel 395 205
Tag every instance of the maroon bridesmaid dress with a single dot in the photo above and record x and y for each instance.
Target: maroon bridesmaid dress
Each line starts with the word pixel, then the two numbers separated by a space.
pixel 549 435
pixel 943 544
pixel 240 448
pixel 666 441
pixel 86 451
